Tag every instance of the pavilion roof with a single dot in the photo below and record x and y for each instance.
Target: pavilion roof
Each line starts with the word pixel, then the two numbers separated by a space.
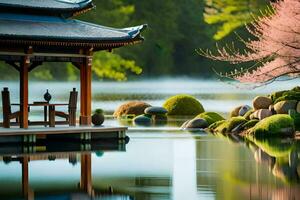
pixel 66 8
pixel 56 31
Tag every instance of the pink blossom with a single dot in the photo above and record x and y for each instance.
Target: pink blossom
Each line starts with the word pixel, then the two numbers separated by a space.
pixel 276 48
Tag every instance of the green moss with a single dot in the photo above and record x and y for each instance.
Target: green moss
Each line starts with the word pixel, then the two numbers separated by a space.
pixel 250 124
pixel 216 124
pixel 247 114
pixel 228 125
pixel 98 111
pixel 275 147
pixel 276 95
pixel 275 125
pixel 183 105
pixel 296 89
pixel 296 117
pixel 210 117
pixel 289 95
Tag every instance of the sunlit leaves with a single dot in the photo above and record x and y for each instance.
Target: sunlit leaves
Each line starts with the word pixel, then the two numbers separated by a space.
pixel 113 66
pixel 229 15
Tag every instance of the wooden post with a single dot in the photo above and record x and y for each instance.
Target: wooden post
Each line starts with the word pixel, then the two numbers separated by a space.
pixel 86 174
pixel 86 89
pixel 24 67
pixel 28 194
pixel 25 176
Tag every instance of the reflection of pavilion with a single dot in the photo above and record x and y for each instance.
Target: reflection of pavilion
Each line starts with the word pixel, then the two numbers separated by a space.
pixel 85 188
pixel 85 185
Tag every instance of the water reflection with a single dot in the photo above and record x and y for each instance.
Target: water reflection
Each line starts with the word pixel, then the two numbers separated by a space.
pixel 56 151
pixel 155 164
pixel 277 170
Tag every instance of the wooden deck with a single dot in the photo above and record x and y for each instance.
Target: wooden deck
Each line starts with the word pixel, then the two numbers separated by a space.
pixel 32 134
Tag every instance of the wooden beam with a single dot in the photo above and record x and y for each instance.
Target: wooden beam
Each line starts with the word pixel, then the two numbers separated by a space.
pixel 34 65
pixel 25 176
pixel 86 90
pixel 24 67
pixel 28 194
pixel 77 65
pixel 86 173
pixel 13 64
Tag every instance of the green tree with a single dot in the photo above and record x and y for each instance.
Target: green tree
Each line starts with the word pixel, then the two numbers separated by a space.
pixel 229 15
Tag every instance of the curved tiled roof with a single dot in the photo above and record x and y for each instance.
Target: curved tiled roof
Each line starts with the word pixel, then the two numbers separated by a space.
pixel 51 30
pixel 65 7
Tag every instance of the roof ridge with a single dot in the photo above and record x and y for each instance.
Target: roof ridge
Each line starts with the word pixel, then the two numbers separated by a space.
pixel 69 2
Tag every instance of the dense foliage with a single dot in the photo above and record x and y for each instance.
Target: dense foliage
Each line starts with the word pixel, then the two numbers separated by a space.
pixel 229 15
pixel 176 29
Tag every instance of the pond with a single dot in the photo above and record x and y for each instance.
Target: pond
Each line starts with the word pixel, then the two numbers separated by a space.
pixel 159 162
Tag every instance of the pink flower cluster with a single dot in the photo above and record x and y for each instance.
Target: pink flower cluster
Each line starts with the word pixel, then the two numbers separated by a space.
pixel 276 49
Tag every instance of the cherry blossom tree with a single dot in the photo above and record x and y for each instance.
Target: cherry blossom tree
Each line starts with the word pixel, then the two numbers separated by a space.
pixel 275 49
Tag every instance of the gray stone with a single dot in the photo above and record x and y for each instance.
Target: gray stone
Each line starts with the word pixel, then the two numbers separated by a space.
pixel 143 120
pixel 271 108
pixel 238 128
pixel 155 110
pixel 197 123
pixel 235 111
pixel 244 109
pixel 263 113
pixel 261 102
pixel 283 107
pixel 254 115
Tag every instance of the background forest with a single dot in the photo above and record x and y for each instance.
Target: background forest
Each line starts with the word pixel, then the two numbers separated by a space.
pixel 176 28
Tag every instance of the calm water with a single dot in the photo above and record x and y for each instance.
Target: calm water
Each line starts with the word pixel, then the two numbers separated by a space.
pixel 158 162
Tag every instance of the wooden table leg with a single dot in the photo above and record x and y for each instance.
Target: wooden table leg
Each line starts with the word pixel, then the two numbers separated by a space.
pixel 45 114
pixel 51 116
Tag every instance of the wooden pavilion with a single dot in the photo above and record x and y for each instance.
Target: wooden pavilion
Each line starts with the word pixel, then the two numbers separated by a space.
pixel 33 32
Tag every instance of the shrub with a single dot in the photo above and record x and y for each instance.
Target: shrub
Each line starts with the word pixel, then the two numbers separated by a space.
pixel 183 105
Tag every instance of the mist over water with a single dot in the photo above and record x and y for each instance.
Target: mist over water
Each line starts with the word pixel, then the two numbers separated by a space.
pixel 213 94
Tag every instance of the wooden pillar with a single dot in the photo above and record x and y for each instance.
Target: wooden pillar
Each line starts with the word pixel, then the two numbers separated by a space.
pixel 86 90
pixel 28 194
pixel 86 174
pixel 24 69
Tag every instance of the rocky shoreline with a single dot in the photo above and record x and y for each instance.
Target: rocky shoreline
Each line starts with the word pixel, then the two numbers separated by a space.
pixel 273 115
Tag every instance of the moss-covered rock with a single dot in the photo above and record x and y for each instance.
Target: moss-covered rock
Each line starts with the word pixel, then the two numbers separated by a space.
pixel 215 125
pixel 296 89
pixel 276 95
pixel 275 125
pixel 228 125
pixel 288 95
pixel 296 116
pixel 131 108
pixel 250 124
pixel 210 117
pixel 283 107
pixel 275 147
pixel 248 114
pixel 183 105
